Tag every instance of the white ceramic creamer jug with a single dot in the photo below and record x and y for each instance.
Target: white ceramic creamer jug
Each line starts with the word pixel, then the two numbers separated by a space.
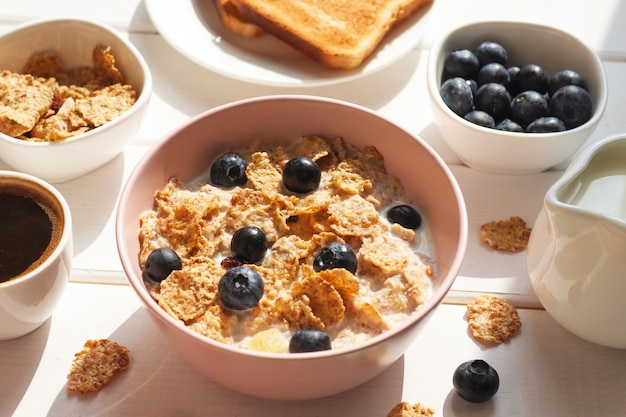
pixel 577 249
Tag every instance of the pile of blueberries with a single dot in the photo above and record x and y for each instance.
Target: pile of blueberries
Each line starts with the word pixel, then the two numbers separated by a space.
pixel 483 88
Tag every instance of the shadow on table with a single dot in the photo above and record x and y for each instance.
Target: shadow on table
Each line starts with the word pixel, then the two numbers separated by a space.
pixel 19 360
pixel 159 383
pixel 92 199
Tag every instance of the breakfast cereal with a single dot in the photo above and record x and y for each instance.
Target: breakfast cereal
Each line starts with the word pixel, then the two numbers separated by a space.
pixel 406 409
pixel 197 221
pixel 48 103
pixel 95 365
pixel 509 235
pixel 492 319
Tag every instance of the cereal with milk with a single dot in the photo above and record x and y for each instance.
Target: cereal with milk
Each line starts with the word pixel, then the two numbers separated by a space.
pixel 197 220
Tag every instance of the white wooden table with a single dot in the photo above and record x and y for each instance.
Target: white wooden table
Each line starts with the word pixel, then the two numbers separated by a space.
pixel 544 371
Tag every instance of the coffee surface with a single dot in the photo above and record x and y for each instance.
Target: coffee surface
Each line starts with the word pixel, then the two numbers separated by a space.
pixel 26 231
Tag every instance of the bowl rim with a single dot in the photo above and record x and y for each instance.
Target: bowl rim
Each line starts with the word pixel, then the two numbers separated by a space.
pixel 430 305
pixel 142 98
pixel 433 86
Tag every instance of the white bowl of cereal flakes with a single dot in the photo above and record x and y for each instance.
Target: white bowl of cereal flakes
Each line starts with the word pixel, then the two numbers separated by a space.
pixel 264 238
pixel 73 95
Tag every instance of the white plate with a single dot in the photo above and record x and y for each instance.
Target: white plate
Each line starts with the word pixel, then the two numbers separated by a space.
pixel 193 28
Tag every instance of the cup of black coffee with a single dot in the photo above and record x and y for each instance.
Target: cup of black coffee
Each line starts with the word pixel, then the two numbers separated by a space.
pixel 35 252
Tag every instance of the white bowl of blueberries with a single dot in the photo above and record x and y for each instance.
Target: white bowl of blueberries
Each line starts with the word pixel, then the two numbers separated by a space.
pixel 514 98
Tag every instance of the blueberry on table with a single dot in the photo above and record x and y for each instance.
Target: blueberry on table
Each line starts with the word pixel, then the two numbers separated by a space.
pixel 405 215
pixel 309 340
pixel 457 94
pixel 571 104
pixel 476 381
pixel 480 118
pixel 240 288
pixel 566 77
pixel 528 106
pixel 160 264
pixel 489 52
pixel 461 63
pixel 335 255
pixel 248 244
pixel 494 99
pixel 229 170
pixel 546 125
pixel 301 175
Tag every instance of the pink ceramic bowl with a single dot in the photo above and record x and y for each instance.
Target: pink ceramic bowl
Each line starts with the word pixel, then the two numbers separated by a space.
pixel 187 151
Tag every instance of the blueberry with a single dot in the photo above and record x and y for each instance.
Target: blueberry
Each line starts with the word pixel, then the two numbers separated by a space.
pixel 489 52
pixel 461 63
pixel 309 340
pixel 405 215
pixel 301 175
pixel 528 106
pixel 494 99
pixel 513 80
pixel 532 77
pixel 160 264
pixel 509 126
pixel 473 86
pixel 480 118
pixel 546 125
pixel 457 95
pixel 249 244
pixel 566 77
pixel 335 255
pixel 229 170
pixel 571 104
pixel 476 381
pixel 240 288
pixel 493 73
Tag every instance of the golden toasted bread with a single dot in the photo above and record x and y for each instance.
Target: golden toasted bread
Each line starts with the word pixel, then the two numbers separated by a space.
pixel 231 19
pixel 337 34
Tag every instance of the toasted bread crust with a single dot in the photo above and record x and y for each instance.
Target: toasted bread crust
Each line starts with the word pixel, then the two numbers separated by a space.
pixel 338 34
pixel 232 20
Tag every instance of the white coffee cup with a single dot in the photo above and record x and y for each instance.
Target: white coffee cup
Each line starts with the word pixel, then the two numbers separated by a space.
pixel 29 297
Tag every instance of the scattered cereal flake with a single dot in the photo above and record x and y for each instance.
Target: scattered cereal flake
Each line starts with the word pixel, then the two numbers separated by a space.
pixel 95 365
pixel 405 409
pixel 506 235
pixel 492 319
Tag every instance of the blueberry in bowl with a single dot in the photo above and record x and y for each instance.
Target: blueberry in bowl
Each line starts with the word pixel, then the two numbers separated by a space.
pixel 530 63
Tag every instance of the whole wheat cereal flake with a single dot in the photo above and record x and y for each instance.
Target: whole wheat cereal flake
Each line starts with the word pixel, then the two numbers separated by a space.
pixel 492 319
pixel 198 220
pixel 406 409
pixel 95 365
pixel 509 235
pixel 47 102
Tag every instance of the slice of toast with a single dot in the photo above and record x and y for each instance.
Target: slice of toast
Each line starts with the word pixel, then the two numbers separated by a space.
pixel 232 20
pixel 337 34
